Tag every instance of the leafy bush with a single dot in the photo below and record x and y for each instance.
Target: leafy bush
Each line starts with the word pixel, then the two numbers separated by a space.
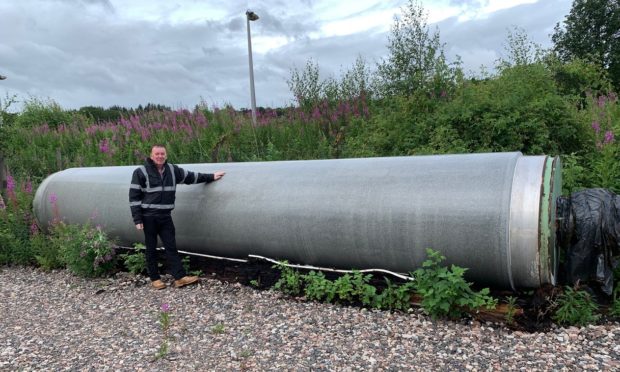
pixel 37 112
pixel 317 287
pixel 47 254
pixel 16 224
pixel 187 267
pixel 347 288
pixel 135 261
pixel 290 281
pixel 363 291
pixel 575 307
pixel 394 297
pixel 85 250
pixel 511 303
pixel 444 291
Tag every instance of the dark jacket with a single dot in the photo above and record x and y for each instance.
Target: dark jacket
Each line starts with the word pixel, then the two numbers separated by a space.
pixel 153 194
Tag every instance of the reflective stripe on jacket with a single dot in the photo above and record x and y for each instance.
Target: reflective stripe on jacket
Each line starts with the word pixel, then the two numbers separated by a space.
pixel 152 193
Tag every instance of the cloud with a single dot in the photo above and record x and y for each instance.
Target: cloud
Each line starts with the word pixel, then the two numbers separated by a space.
pixel 483 41
pixel 111 52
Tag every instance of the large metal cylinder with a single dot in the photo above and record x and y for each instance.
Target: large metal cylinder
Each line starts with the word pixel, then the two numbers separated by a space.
pixel 491 213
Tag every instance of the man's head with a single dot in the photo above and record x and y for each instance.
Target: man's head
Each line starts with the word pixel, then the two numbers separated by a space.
pixel 158 154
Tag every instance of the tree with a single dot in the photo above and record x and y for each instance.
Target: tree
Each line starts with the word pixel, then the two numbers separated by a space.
pixel 520 50
pixel 591 31
pixel 306 85
pixel 416 59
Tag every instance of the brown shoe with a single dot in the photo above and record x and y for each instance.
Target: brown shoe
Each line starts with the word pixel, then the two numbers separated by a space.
pixel 158 284
pixel 185 281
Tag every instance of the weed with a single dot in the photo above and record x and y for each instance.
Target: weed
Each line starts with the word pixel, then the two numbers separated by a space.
pixel 445 293
pixel 86 250
pixel 363 291
pixel 135 261
pixel 575 307
pixel 163 350
pixel 512 309
pixel 218 329
pixel 394 297
pixel 164 322
pixel 343 288
pixel 186 266
pixel 290 281
pixel 317 287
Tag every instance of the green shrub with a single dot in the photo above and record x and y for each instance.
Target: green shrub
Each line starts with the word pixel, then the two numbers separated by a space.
pixel 188 269
pixel 135 261
pixel 343 288
pixel 575 307
pixel 444 291
pixel 16 223
pixel 47 254
pixel 318 288
pixel 85 250
pixel 363 291
pixel 290 281
pixel 37 112
pixel 394 297
pixel 511 303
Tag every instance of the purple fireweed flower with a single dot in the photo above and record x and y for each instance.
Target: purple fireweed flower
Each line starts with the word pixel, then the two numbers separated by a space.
pixel 601 101
pixel 104 146
pixel 612 97
pixel 609 137
pixel 34 229
pixel 596 126
pixel 145 134
pixel 201 119
pixel 316 113
pixel 91 130
pixel 28 187
pixel 53 198
pixel 10 183
pixel 165 308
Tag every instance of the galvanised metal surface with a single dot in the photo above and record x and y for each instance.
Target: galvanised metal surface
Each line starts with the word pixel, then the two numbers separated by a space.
pixel 533 255
pixel 482 211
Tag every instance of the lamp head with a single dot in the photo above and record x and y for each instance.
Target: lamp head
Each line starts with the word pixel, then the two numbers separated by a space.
pixel 251 15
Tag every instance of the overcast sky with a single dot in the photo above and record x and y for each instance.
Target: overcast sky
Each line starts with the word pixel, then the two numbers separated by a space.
pixel 179 53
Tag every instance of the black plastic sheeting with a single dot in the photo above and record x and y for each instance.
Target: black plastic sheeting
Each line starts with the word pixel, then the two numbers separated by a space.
pixel 589 232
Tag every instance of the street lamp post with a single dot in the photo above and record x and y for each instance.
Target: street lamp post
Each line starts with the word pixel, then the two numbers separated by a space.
pixel 251 16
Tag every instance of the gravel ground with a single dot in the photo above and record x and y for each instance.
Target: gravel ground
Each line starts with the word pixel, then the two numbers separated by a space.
pixel 56 321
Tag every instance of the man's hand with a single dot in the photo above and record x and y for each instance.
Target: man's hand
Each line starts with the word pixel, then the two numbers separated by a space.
pixel 139 226
pixel 217 175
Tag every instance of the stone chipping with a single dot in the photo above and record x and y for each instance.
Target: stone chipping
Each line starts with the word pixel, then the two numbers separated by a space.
pixel 57 321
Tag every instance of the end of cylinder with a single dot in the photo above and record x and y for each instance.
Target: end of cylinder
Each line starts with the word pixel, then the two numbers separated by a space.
pixel 533 254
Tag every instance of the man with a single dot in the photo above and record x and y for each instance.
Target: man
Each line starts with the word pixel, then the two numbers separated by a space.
pixel 151 199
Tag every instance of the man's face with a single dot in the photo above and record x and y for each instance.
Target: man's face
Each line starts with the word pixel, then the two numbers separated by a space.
pixel 158 155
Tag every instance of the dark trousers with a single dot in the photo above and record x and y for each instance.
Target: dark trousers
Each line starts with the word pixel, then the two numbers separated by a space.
pixel 164 227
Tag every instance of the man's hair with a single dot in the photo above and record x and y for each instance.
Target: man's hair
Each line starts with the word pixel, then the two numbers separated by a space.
pixel 158 145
